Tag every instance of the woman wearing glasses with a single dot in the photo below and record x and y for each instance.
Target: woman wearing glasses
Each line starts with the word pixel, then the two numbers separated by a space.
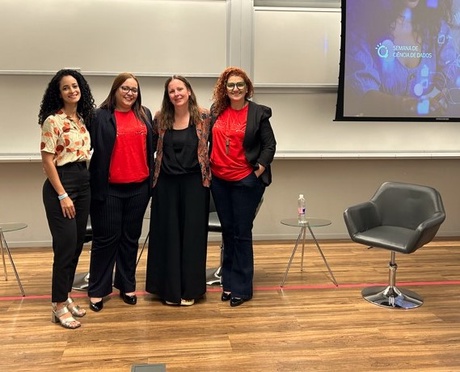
pixel 176 264
pixel 121 173
pixel 242 148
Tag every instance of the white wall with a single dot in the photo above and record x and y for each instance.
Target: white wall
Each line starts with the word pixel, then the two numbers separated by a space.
pixel 329 186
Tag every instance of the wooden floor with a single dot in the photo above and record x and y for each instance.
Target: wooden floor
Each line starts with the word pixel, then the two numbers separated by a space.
pixel 309 325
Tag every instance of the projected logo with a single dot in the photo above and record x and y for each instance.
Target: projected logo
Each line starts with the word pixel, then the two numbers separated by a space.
pixel 385 50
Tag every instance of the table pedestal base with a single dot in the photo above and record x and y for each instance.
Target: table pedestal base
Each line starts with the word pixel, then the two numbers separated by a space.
pixel 4 247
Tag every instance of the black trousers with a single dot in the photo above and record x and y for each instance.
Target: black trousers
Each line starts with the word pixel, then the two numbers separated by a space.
pixel 117 226
pixel 236 204
pixel 68 233
pixel 176 262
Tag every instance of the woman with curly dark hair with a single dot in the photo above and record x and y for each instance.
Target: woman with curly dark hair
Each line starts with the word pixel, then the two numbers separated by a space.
pixel 176 263
pixel 242 148
pixel 66 108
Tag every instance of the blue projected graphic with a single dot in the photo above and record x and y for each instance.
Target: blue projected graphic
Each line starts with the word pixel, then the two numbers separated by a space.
pixel 402 58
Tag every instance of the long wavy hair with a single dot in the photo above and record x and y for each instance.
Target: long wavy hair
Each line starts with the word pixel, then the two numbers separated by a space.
pixel 166 119
pixel 220 97
pixel 52 101
pixel 110 102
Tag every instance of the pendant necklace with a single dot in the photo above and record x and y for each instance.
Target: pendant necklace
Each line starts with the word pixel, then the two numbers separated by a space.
pixel 227 132
pixel 233 122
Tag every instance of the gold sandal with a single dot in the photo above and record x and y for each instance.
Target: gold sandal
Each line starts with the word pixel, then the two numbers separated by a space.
pixel 184 302
pixel 74 308
pixel 69 322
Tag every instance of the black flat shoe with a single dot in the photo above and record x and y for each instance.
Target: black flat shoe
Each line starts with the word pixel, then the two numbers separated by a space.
pixel 236 301
pixel 96 306
pixel 128 299
pixel 226 296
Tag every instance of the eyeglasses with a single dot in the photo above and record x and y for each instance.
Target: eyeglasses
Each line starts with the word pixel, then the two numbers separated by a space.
pixel 240 85
pixel 126 89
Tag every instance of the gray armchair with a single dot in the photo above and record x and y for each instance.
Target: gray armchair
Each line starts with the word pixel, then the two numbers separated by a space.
pixel 399 217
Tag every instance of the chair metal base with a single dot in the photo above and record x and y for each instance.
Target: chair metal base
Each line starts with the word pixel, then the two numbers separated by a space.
pixel 80 282
pixel 213 276
pixel 392 297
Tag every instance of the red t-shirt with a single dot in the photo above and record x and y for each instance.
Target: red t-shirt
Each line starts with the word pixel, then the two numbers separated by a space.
pixel 129 156
pixel 228 160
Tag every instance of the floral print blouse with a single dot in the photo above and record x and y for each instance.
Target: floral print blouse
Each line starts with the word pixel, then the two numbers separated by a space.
pixel 66 139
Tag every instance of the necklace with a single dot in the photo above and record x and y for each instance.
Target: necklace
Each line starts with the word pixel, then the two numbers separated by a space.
pixel 235 123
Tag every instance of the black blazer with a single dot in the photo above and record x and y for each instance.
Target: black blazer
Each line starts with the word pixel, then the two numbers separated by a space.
pixel 259 140
pixel 103 133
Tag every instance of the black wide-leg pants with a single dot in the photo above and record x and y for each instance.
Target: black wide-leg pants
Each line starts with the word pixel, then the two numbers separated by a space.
pixel 176 263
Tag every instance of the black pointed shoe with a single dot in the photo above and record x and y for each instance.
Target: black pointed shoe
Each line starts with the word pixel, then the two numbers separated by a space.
pixel 236 301
pixel 128 299
pixel 96 306
pixel 226 296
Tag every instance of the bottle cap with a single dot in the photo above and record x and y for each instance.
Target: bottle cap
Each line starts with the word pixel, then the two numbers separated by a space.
pixel 300 195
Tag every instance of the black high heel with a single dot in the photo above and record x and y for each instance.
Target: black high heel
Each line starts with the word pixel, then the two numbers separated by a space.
pixel 236 301
pixel 96 306
pixel 226 296
pixel 128 299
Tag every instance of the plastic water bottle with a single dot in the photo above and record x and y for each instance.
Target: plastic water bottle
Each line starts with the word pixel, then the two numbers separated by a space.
pixel 301 209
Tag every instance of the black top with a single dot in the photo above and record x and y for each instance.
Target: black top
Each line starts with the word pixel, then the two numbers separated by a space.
pixel 180 151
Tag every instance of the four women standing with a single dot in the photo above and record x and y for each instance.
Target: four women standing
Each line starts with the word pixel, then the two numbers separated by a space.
pixel 123 173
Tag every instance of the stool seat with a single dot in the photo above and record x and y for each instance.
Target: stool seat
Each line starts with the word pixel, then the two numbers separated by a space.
pixel 80 282
pixel 214 223
pixel 214 275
